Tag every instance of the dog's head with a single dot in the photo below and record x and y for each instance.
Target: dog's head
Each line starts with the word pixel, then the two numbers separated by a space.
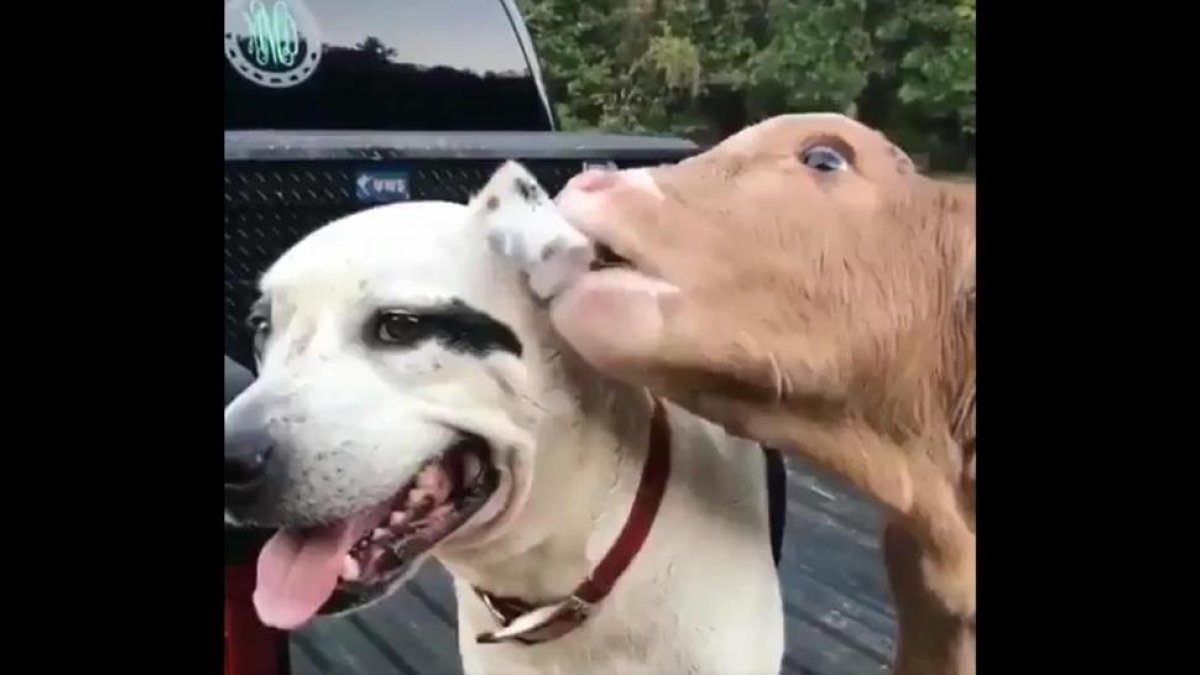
pixel 395 409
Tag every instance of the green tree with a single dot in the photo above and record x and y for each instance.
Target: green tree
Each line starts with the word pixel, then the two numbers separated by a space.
pixel 925 62
pixel 704 68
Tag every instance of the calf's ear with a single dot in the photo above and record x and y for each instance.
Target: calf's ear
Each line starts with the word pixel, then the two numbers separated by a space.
pixel 958 208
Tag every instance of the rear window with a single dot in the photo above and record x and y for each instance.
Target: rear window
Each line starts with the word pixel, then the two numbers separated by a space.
pixel 376 65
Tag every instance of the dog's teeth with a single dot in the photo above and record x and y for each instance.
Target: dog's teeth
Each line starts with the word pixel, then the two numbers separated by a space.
pixel 396 548
pixel 472 467
pixel 370 560
pixel 440 512
pixel 351 570
pixel 380 533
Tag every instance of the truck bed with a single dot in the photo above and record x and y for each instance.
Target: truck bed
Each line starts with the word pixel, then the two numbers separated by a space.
pixel 839 618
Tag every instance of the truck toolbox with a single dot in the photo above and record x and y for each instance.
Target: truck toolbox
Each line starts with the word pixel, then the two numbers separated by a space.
pixel 279 186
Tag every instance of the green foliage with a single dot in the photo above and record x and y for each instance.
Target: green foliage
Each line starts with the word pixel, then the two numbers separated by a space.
pixel 816 59
pixel 936 67
pixel 702 68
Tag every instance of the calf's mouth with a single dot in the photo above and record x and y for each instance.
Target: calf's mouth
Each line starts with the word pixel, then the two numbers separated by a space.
pixel 606 257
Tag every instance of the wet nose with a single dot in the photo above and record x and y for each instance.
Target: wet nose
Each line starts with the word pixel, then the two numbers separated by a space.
pixel 595 188
pixel 247 452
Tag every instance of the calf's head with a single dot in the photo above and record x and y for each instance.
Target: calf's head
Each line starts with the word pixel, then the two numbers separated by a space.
pixel 802 262
pixel 802 284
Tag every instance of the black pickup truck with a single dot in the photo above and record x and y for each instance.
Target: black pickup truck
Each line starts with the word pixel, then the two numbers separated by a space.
pixel 332 106
pixel 336 105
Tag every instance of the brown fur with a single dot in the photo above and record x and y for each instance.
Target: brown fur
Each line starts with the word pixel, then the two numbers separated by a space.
pixel 830 314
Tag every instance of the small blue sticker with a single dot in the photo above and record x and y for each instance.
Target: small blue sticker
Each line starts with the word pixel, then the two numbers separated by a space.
pixel 378 187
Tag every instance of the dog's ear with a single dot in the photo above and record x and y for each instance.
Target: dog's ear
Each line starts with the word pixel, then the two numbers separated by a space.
pixel 509 185
pixel 522 223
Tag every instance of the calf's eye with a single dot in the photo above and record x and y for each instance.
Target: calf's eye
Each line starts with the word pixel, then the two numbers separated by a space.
pixel 824 159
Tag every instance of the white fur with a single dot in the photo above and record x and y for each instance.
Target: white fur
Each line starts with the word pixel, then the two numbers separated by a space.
pixel 530 231
pixel 702 596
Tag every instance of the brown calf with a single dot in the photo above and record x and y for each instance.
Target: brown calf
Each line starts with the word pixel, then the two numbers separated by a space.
pixel 801 284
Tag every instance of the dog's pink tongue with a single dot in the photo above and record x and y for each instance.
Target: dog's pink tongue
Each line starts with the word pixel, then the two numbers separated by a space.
pixel 297 571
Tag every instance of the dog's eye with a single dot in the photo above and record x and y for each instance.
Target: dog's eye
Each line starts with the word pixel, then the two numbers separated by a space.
pixel 261 326
pixel 824 159
pixel 455 325
pixel 399 328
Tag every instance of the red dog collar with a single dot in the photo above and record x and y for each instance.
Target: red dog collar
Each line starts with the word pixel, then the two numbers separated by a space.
pixel 527 623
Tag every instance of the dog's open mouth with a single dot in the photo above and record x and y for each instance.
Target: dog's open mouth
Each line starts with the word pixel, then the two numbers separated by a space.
pixel 445 493
pixel 338 567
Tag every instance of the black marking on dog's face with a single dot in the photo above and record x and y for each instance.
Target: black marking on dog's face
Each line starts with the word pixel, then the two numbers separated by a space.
pixel 527 190
pixel 456 325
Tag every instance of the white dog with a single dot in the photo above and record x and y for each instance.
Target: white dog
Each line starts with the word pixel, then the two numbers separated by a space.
pixel 413 402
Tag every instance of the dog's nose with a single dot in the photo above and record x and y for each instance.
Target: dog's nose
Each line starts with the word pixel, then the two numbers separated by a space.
pixel 246 456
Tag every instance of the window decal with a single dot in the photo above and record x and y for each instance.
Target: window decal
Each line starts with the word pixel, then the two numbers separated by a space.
pixel 273 43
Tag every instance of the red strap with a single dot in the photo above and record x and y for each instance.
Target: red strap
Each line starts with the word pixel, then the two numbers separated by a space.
pixel 642 513
pixel 650 492
pixel 250 647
